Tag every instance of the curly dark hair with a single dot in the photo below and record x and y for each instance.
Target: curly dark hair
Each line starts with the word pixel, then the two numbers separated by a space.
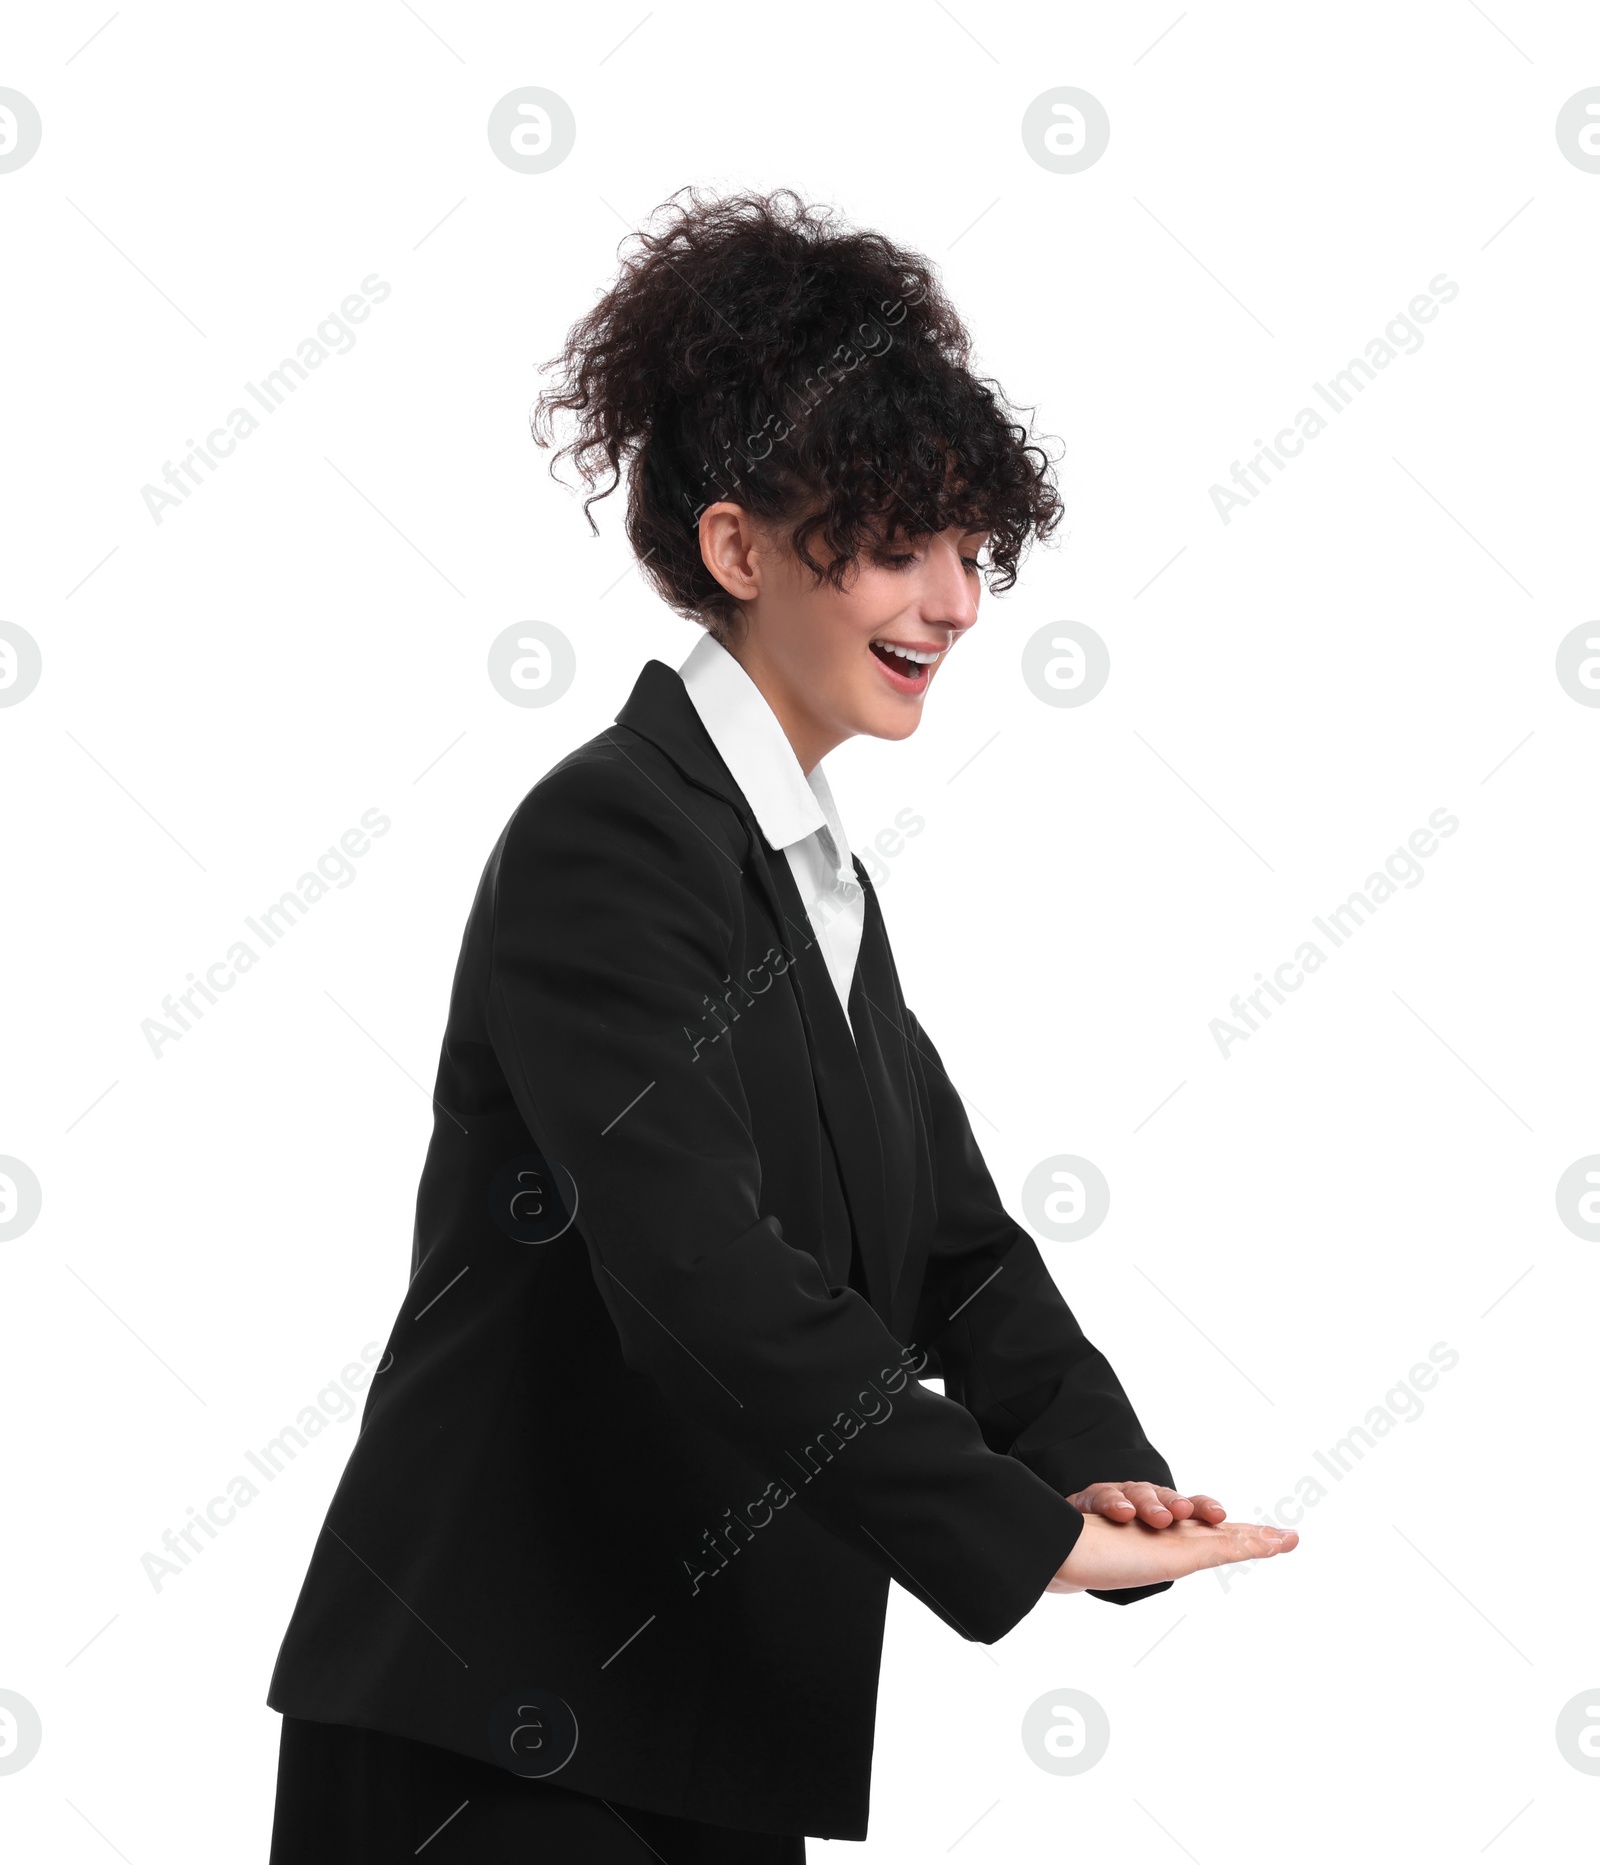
pixel 753 351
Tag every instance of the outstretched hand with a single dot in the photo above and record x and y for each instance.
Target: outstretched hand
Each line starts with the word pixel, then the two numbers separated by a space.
pixel 1135 1534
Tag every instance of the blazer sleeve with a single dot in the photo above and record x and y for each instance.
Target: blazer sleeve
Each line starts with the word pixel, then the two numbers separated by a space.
pixel 612 929
pixel 1011 1349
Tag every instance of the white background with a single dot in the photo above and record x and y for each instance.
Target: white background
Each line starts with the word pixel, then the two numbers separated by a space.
pixel 1372 639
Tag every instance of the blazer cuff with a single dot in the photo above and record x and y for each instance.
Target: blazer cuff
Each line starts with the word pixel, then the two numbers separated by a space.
pixel 1125 1596
pixel 1062 1466
pixel 1040 1549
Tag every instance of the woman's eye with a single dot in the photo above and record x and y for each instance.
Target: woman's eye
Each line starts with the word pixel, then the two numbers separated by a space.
pixel 900 562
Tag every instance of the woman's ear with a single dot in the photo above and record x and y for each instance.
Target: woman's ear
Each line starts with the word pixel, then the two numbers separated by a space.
pixel 730 548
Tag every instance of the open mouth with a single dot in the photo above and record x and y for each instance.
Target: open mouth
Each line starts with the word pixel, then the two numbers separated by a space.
pixel 908 670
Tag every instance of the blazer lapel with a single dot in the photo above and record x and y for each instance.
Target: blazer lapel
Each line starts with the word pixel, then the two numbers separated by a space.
pixel 659 708
pixel 842 1090
pixel 881 1049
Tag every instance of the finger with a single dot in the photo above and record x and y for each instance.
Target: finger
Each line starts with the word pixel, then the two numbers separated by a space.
pixel 1103 1499
pixel 1271 1539
pixel 1251 1541
pixel 1208 1509
pixel 1147 1500
pixel 1112 1500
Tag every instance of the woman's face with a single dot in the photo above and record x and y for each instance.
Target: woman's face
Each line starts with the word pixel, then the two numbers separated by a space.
pixel 826 660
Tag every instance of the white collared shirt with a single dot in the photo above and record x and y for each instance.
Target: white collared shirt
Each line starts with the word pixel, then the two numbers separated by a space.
pixel 794 811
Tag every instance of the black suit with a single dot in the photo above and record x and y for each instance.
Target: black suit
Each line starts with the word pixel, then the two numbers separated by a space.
pixel 663 1464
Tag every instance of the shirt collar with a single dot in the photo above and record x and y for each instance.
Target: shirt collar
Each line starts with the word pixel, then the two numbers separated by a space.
pixel 787 804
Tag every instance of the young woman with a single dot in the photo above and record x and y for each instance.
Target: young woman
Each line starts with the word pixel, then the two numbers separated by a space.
pixel 605 1575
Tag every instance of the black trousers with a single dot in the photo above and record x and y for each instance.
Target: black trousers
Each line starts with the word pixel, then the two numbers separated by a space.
pixel 359 1797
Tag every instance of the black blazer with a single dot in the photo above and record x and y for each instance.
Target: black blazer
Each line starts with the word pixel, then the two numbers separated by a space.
pixel 647 1444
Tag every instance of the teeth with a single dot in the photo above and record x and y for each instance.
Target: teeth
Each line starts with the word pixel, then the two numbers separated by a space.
pixel 924 659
